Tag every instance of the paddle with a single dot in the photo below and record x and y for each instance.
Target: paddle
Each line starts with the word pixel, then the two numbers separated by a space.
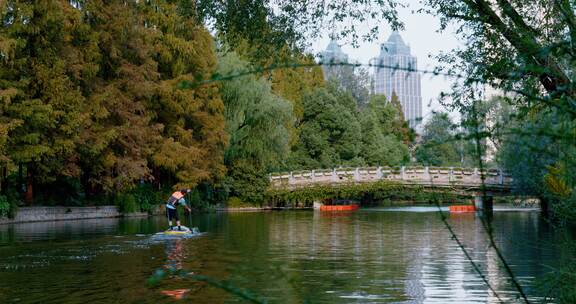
pixel 189 212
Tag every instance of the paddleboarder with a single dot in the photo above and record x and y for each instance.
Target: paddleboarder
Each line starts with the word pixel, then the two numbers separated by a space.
pixel 176 199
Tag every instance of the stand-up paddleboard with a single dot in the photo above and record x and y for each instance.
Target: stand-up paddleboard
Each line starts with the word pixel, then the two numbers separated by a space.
pixel 185 232
pixel 175 231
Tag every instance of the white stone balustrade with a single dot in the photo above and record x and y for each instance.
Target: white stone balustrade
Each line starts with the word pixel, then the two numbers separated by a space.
pixel 426 176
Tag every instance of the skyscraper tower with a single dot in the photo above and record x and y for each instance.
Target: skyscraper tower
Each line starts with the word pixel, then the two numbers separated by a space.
pixel 332 55
pixel 405 84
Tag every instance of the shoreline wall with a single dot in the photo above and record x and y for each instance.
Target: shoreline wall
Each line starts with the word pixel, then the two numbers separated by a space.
pixel 41 214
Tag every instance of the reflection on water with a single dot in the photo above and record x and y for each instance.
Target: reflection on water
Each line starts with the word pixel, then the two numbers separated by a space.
pixel 27 232
pixel 175 256
pixel 285 257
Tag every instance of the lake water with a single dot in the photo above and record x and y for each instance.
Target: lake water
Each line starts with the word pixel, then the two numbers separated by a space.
pixel 402 255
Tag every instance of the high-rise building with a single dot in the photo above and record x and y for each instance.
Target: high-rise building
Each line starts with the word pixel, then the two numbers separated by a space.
pixel 332 55
pixel 392 75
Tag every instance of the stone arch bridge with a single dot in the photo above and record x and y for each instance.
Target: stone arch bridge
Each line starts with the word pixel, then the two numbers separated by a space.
pixel 473 180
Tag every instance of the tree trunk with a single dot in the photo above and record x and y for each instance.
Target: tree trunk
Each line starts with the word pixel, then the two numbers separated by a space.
pixel 85 181
pixel 4 180
pixel 20 179
pixel 29 194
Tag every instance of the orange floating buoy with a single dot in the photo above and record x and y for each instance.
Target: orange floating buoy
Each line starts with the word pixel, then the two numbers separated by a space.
pixel 339 207
pixel 462 208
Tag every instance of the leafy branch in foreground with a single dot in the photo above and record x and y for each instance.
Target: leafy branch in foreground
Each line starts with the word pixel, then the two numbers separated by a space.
pixel 465 251
pixel 161 274
pixel 258 70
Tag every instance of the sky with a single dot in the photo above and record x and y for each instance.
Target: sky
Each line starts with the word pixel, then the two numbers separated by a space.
pixel 420 33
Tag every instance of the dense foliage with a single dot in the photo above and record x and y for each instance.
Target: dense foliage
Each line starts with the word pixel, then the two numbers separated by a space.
pixel 91 100
pixel 523 50
pixel 335 132
pixel 439 146
pixel 259 123
pixel 93 106
pixel 88 93
pixel 114 100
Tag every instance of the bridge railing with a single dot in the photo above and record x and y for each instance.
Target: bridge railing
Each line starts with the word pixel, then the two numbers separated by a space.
pixel 430 176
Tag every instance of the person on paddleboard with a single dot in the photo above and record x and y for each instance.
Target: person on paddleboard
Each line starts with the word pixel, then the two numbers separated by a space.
pixel 177 198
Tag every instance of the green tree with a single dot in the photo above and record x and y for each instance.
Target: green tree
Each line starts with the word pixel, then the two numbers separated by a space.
pixel 330 134
pixel 256 119
pixel 355 81
pixel 258 123
pixel 536 162
pixel 438 147
pixel 258 35
pixel 193 123
pixel 89 91
pixel 390 117
pixel 380 149
pixel 269 25
pixel 141 126
pixel 382 127
pixel 400 126
pixel 42 105
pixel 513 49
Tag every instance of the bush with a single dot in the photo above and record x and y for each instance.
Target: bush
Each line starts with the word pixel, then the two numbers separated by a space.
pixel 557 282
pixel 198 199
pixel 248 182
pixel 4 206
pixel 147 197
pixel 126 203
pixel 235 202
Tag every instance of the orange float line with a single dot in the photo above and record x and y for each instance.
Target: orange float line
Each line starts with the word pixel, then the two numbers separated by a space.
pixel 462 208
pixel 339 207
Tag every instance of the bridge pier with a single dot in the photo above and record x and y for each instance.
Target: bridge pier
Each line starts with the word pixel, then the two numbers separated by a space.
pixel 334 176
pixel 484 203
pixel 544 207
pixel 379 174
pixel 317 204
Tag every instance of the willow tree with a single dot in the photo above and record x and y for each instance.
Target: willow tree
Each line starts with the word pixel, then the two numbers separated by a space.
pixel 258 123
pixel 258 35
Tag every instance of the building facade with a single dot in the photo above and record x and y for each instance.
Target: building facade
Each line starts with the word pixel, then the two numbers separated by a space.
pixel 392 76
pixel 333 55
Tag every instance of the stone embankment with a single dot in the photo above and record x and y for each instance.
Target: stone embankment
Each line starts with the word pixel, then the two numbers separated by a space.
pixel 40 214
